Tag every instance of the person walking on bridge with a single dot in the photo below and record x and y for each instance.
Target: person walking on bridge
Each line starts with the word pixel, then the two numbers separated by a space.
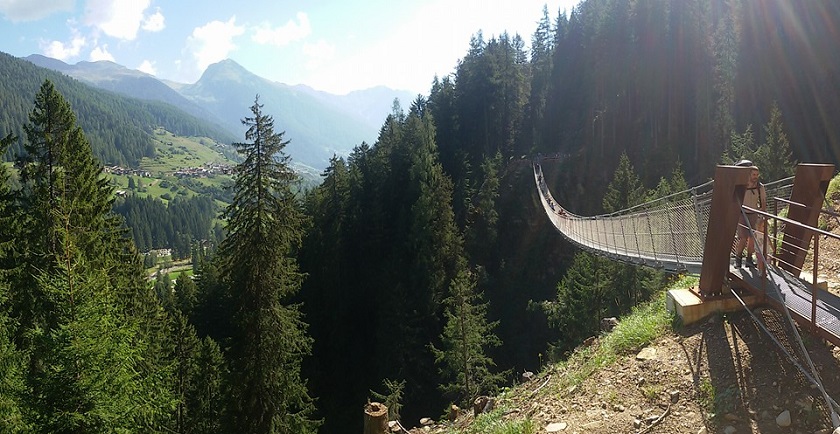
pixel 755 197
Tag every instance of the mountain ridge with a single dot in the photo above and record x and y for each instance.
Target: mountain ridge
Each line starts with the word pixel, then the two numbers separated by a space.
pixel 317 123
pixel 118 126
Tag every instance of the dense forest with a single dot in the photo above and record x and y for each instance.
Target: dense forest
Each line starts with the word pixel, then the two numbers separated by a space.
pixel 119 128
pixel 177 224
pixel 422 270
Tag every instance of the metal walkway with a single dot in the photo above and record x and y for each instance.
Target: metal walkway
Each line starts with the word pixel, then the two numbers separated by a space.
pixel 783 290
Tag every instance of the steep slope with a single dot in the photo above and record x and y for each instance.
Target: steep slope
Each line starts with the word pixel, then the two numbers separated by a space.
pixel 119 128
pixel 317 131
pixel 721 375
pixel 129 82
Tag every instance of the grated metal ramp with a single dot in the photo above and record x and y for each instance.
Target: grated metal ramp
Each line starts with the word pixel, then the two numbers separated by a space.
pixel 796 294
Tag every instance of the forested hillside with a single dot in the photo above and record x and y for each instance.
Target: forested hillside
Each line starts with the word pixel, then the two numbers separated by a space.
pixel 637 98
pixel 119 128
pixel 119 79
pixel 422 271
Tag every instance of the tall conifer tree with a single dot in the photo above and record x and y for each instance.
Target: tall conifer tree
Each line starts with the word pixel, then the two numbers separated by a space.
pixel 11 359
pixel 90 365
pixel 774 157
pixel 264 224
pixel 205 403
pixel 466 338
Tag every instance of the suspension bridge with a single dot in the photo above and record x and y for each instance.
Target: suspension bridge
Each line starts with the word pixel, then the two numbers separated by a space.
pixel 693 232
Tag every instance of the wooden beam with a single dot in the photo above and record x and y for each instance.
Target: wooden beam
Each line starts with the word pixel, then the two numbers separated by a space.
pixel 809 187
pixel 730 184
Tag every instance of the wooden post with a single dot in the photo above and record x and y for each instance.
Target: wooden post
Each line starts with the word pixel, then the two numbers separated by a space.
pixel 730 183
pixel 809 187
pixel 376 418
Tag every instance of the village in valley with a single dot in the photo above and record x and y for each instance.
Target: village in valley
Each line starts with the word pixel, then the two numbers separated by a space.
pixel 206 170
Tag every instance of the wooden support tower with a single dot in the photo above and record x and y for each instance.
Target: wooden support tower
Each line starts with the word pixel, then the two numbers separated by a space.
pixel 730 183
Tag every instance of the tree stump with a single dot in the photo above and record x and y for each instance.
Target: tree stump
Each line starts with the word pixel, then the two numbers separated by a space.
pixel 454 412
pixel 483 404
pixel 376 418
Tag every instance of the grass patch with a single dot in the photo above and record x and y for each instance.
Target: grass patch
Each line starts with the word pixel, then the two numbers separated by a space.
pixel 833 191
pixel 707 395
pixel 492 423
pixel 647 322
pixel 650 392
pixel 175 152
pixel 718 402
pixel 173 276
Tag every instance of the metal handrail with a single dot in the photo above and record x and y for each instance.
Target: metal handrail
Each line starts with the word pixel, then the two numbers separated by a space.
pixel 793 222
pixel 816 239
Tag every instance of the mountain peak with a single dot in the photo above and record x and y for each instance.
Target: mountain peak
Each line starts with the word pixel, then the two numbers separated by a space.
pixel 225 70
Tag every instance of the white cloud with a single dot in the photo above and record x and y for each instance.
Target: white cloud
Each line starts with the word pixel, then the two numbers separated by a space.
pixel 318 53
pixel 154 22
pixel 31 10
pixel 117 18
pixel 101 53
pixel 290 32
pixel 213 41
pixel 64 51
pixel 147 67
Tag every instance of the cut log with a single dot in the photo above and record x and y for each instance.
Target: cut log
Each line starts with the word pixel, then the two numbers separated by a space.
pixel 376 418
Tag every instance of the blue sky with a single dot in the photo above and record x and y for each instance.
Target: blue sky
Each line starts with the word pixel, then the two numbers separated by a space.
pixel 333 45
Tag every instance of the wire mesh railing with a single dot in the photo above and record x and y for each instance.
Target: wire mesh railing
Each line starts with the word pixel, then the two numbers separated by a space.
pixel 666 233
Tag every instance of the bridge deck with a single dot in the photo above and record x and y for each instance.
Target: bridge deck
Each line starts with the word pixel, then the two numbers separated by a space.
pixel 795 294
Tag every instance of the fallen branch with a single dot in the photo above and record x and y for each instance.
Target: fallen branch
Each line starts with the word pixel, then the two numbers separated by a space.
pixel 541 386
pixel 657 421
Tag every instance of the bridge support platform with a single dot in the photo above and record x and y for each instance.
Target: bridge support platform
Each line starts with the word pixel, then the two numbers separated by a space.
pixel 690 308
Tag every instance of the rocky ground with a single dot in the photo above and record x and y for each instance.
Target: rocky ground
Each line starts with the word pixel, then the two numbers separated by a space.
pixel 723 375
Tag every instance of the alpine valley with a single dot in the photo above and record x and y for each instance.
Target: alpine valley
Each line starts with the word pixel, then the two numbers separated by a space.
pixel 318 124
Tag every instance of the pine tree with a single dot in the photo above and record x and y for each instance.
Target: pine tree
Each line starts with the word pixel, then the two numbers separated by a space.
pixel 264 224
pixel 481 232
pixel 206 401
pixel 185 294
pixel 725 68
pixel 12 386
pixel 11 358
pixel 542 47
pixel 163 290
pixel 428 248
pixel 83 378
pixel 466 338
pixel 92 365
pixel 774 156
pixel 187 347
pixel 741 146
pixel 625 190
pixel 580 301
